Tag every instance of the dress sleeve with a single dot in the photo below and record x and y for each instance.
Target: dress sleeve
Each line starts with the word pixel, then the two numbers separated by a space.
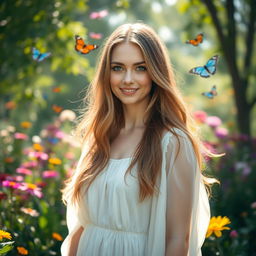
pixel 185 194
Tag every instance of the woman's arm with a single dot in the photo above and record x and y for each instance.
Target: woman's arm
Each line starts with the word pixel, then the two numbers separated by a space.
pixel 180 194
pixel 74 241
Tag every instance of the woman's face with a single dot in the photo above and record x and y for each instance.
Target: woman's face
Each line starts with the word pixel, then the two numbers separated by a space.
pixel 129 79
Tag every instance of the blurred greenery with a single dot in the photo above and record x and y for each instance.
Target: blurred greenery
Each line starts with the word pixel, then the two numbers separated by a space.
pixel 50 26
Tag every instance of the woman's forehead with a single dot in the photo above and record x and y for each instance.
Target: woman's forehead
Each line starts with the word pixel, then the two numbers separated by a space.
pixel 127 53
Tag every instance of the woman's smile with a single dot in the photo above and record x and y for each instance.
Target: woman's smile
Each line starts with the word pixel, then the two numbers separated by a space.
pixel 129 91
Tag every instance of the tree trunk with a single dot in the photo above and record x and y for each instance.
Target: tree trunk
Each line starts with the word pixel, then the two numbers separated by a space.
pixel 243 110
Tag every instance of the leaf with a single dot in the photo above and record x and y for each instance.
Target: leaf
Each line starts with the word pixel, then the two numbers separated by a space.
pixel 6 247
pixel 43 222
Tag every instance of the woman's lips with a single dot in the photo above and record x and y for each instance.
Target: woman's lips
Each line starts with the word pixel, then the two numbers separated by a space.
pixel 128 92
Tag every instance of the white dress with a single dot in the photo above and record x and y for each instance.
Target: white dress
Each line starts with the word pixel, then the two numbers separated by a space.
pixel 116 224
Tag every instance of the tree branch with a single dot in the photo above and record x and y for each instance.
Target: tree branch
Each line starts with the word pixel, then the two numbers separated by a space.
pixel 213 12
pixel 249 40
pixel 230 57
pixel 231 38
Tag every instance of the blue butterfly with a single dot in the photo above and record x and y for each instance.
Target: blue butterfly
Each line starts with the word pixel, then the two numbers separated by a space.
pixel 208 69
pixel 212 93
pixel 53 140
pixel 38 56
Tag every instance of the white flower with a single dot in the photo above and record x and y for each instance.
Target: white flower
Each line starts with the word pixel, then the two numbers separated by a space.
pixel 67 115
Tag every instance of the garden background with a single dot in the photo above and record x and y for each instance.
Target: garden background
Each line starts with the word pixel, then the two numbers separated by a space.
pixel 40 100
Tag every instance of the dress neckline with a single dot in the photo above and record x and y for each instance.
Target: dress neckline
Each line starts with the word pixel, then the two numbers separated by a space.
pixel 128 158
pixel 119 159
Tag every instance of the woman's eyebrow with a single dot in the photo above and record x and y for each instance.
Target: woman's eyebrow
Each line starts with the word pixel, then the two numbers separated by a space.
pixel 120 63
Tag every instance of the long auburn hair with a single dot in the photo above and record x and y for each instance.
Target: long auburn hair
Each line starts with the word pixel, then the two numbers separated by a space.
pixel 102 118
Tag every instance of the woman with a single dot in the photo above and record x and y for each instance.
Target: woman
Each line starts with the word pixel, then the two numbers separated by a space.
pixel 137 189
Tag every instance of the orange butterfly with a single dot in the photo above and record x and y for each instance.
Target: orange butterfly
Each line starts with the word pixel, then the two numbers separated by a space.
pixel 56 108
pixel 198 40
pixel 82 47
pixel 10 105
pixel 56 89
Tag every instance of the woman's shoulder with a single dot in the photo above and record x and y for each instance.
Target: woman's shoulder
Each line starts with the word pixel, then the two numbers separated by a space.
pixel 173 133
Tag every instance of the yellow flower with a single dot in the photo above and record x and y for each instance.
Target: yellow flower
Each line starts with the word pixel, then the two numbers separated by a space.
pixel 38 147
pixel 55 161
pixel 25 125
pixel 22 251
pixel 4 234
pixel 57 236
pixel 217 225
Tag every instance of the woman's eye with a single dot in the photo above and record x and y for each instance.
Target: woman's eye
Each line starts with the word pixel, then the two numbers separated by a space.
pixel 116 68
pixel 141 68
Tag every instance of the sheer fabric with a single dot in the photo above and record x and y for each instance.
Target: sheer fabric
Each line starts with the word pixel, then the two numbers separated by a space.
pixel 114 221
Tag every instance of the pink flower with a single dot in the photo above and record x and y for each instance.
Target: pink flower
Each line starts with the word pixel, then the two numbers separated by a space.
pixel 18 178
pixel 221 132
pixel 70 155
pixel 24 171
pixel 253 205
pixel 38 155
pixel 98 15
pixel 210 147
pixel 30 164
pixel 10 184
pixel 26 151
pixel 200 116
pixel 50 174
pixel 233 234
pixel 213 121
pixel 31 189
pixel 59 134
pixel 20 136
pixel 29 211
pixel 70 172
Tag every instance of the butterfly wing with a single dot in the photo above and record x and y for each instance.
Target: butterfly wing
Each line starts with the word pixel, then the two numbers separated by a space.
pixel 208 95
pixel 56 89
pixel 79 43
pixel 200 38
pixel 56 108
pixel 195 42
pixel 212 93
pixel 43 56
pixel 192 41
pixel 38 56
pixel 208 69
pixel 211 64
pixel 214 90
pixel 201 71
pixel 35 53
pixel 82 48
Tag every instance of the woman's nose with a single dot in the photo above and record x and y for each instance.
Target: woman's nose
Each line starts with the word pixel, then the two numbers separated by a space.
pixel 128 79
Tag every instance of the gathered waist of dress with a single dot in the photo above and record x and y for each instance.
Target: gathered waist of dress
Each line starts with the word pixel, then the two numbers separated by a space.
pixel 120 231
